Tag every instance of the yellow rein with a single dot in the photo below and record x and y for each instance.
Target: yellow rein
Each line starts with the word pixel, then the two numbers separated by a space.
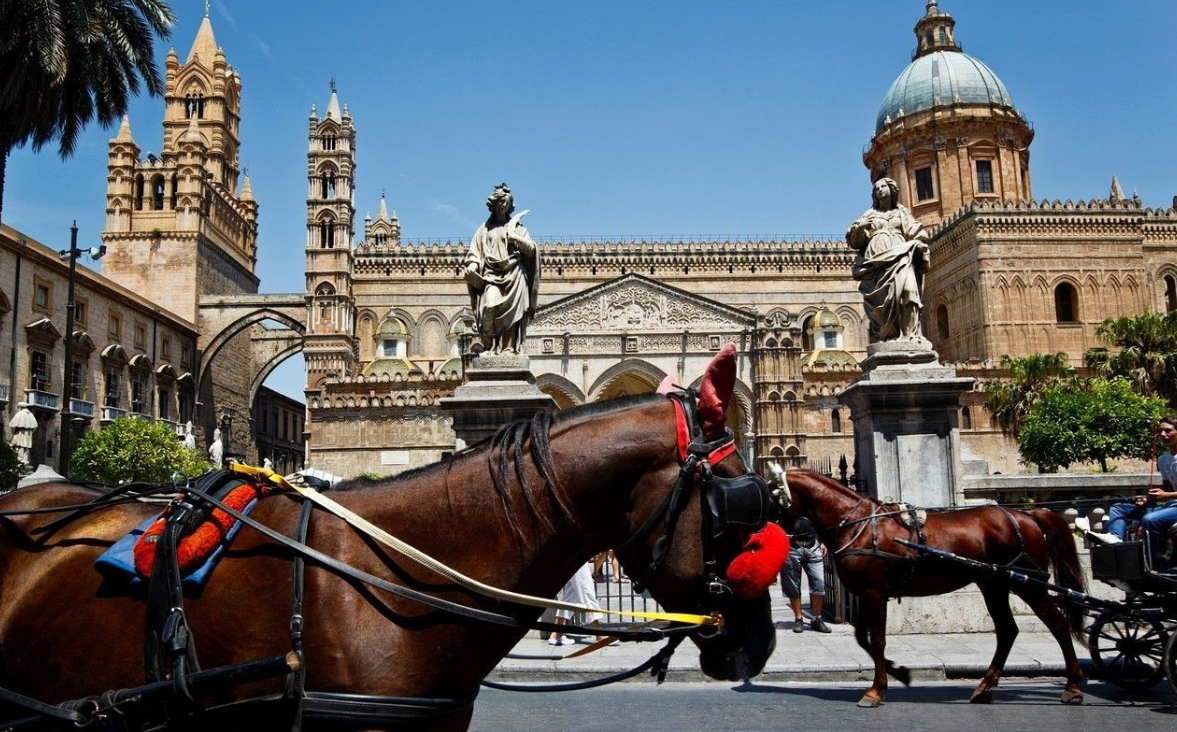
pixel 382 536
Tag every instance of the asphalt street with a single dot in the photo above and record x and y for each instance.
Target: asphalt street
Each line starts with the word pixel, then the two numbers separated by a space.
pixel 1019 704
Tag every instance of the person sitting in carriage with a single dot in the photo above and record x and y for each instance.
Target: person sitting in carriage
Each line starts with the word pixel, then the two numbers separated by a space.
pixel 1157 511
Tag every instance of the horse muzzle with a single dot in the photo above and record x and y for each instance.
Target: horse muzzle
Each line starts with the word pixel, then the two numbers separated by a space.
pixel 742 648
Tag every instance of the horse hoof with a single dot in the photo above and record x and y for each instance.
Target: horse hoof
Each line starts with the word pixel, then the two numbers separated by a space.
pixel 981 697
pixel 1072 697
pixel 870 702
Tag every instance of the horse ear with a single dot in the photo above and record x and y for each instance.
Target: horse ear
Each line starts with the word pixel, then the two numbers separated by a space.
pixel 667 385
pixel 715 392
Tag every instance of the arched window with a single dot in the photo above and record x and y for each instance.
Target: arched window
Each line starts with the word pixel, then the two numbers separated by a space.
pixel 1170 293
pixel 139 193
pixel 327 184
pixel 942 321
pixel 966 419
pixel 326 234
pixel 806 334
pixel 1066 303
pixel 328 142
pixel 172 198
pixel 835 421
pixel 157 193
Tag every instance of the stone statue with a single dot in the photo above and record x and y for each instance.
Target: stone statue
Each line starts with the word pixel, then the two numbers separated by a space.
pixel 189 438
pixel 216 451
pixel 502 274
pixel 268 464
pixel 892 259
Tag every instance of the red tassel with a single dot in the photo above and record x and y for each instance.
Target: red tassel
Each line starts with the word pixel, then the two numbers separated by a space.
pixel 755 569
pixel 197 546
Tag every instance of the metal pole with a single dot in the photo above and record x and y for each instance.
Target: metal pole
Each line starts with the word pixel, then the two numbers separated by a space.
pixel 67 380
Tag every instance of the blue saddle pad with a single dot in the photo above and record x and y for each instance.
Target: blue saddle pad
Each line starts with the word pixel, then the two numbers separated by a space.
pixel 118 562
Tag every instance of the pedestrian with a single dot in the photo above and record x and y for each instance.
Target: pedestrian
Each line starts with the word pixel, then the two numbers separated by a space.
pixel 805 553
pixel 578 590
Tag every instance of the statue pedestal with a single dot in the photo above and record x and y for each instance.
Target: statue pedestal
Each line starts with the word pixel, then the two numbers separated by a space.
pixel 498 389
pixel 905 410
pixel 907 440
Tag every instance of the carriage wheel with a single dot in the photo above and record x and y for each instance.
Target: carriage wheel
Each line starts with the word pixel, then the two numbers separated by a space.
pixel 1171 662
pixel 1127 651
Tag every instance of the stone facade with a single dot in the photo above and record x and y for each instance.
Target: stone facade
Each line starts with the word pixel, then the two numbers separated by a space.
pixel 130 356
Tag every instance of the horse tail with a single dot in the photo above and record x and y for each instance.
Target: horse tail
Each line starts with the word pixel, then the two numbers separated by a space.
pixel 1065 560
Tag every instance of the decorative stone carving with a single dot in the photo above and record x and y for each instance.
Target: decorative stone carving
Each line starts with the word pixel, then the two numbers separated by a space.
pixel 634 303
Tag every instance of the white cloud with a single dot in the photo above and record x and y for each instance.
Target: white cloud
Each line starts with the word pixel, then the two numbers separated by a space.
pixel 451 212
pixel 224 13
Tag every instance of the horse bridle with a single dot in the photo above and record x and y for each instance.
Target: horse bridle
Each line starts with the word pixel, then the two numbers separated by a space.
pixel 740 504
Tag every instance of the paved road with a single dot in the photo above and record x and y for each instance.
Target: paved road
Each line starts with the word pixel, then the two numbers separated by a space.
pixel 714 707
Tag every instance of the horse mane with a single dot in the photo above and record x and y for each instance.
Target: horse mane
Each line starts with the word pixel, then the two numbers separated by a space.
pixel 497 452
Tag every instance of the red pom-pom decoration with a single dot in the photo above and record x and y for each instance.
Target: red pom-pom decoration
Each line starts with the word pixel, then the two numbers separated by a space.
pixel 756 568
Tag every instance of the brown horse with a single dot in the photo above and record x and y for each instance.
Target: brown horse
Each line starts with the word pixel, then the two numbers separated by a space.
pixel 861 534
pixel 587 480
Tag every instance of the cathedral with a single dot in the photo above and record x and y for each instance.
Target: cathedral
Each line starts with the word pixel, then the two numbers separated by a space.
pixel 391 318
pixel 385 322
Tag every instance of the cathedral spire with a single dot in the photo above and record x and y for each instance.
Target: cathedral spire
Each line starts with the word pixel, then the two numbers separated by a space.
pixel 124 134
pixel 934 31
pixel 1117 193
pixel 382 213
pixel 333 105
pixel 205 45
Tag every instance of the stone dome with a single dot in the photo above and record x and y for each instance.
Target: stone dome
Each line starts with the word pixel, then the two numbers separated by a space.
pixel 941 78
pixel 392 327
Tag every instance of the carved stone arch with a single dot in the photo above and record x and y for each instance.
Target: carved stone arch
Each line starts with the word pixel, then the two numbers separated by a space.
pixel 235 327
pixel 403 316
pixel 774 396
pixel 431 331
pixel 776 451
pixel 194 79
pixel 566 393
pixel 327 166
pixel 637 372
pixel 115 355
pixel 268 367
pixel 366 322
pixel 324 289
pixel 327 127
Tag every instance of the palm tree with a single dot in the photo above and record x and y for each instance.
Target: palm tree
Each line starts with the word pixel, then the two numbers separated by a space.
pixel 1009 400
pixel 1146 352
pixel 63 61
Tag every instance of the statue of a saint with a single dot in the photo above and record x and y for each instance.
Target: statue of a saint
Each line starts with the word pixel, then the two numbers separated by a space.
pixel 502 274
pixel 216 451
pixel 892 259
pixel 189 438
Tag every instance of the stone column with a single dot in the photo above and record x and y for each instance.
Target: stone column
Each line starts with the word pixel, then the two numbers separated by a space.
pixel 906 433
pixel 498 389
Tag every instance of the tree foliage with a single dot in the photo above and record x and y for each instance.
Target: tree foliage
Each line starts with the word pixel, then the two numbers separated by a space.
pixel 64 61
pixel 1089 420
pixel 1008 401
pixel 9 467
pixel 133 449
pixel 1144 351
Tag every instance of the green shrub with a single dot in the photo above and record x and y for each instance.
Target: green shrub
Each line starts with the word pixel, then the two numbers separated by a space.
pixel 132 449
pixel 9 467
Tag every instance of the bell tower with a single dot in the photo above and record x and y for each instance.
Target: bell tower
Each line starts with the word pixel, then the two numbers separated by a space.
pixel 178 228
pixel 329 343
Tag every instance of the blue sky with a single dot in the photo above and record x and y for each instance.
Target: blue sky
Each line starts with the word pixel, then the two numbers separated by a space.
pixel 631 118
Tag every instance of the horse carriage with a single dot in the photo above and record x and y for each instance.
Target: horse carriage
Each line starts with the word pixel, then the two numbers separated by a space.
pixel 389 607
pixel 1133 643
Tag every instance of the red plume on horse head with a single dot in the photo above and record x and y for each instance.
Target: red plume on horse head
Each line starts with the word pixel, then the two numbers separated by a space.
pixel 715 392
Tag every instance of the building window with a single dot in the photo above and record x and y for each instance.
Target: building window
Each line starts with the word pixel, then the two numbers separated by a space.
pixel 831 339
pixel 165 347
pixel 807 333
pixel 966 419
pixel 39 371
pixel 328 142
pixel 984 176
pixel 42 297
pixel 165 404
pixel 78 376
pixel 924 190
pixel 185 357
pixel 112 390
pixel 138 392
pixel 114 326
pixel 185 407
pixel 80 311
pixel 1066 303
pixel 139 193
pixel 835 421
pixel 157 193
pixel 140 335
pixel 1170 293
pixel 942 322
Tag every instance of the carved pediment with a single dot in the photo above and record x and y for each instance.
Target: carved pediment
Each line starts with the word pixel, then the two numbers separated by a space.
pixel 636 304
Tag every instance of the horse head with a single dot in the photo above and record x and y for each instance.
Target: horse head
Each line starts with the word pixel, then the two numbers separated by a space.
pixel 724 504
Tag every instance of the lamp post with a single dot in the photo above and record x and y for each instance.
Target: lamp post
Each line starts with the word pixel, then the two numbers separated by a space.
pixel 226 428
pixel 67 381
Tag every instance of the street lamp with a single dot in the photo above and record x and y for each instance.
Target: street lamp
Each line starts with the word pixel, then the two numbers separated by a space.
pixel 226 427
pixel 67 382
